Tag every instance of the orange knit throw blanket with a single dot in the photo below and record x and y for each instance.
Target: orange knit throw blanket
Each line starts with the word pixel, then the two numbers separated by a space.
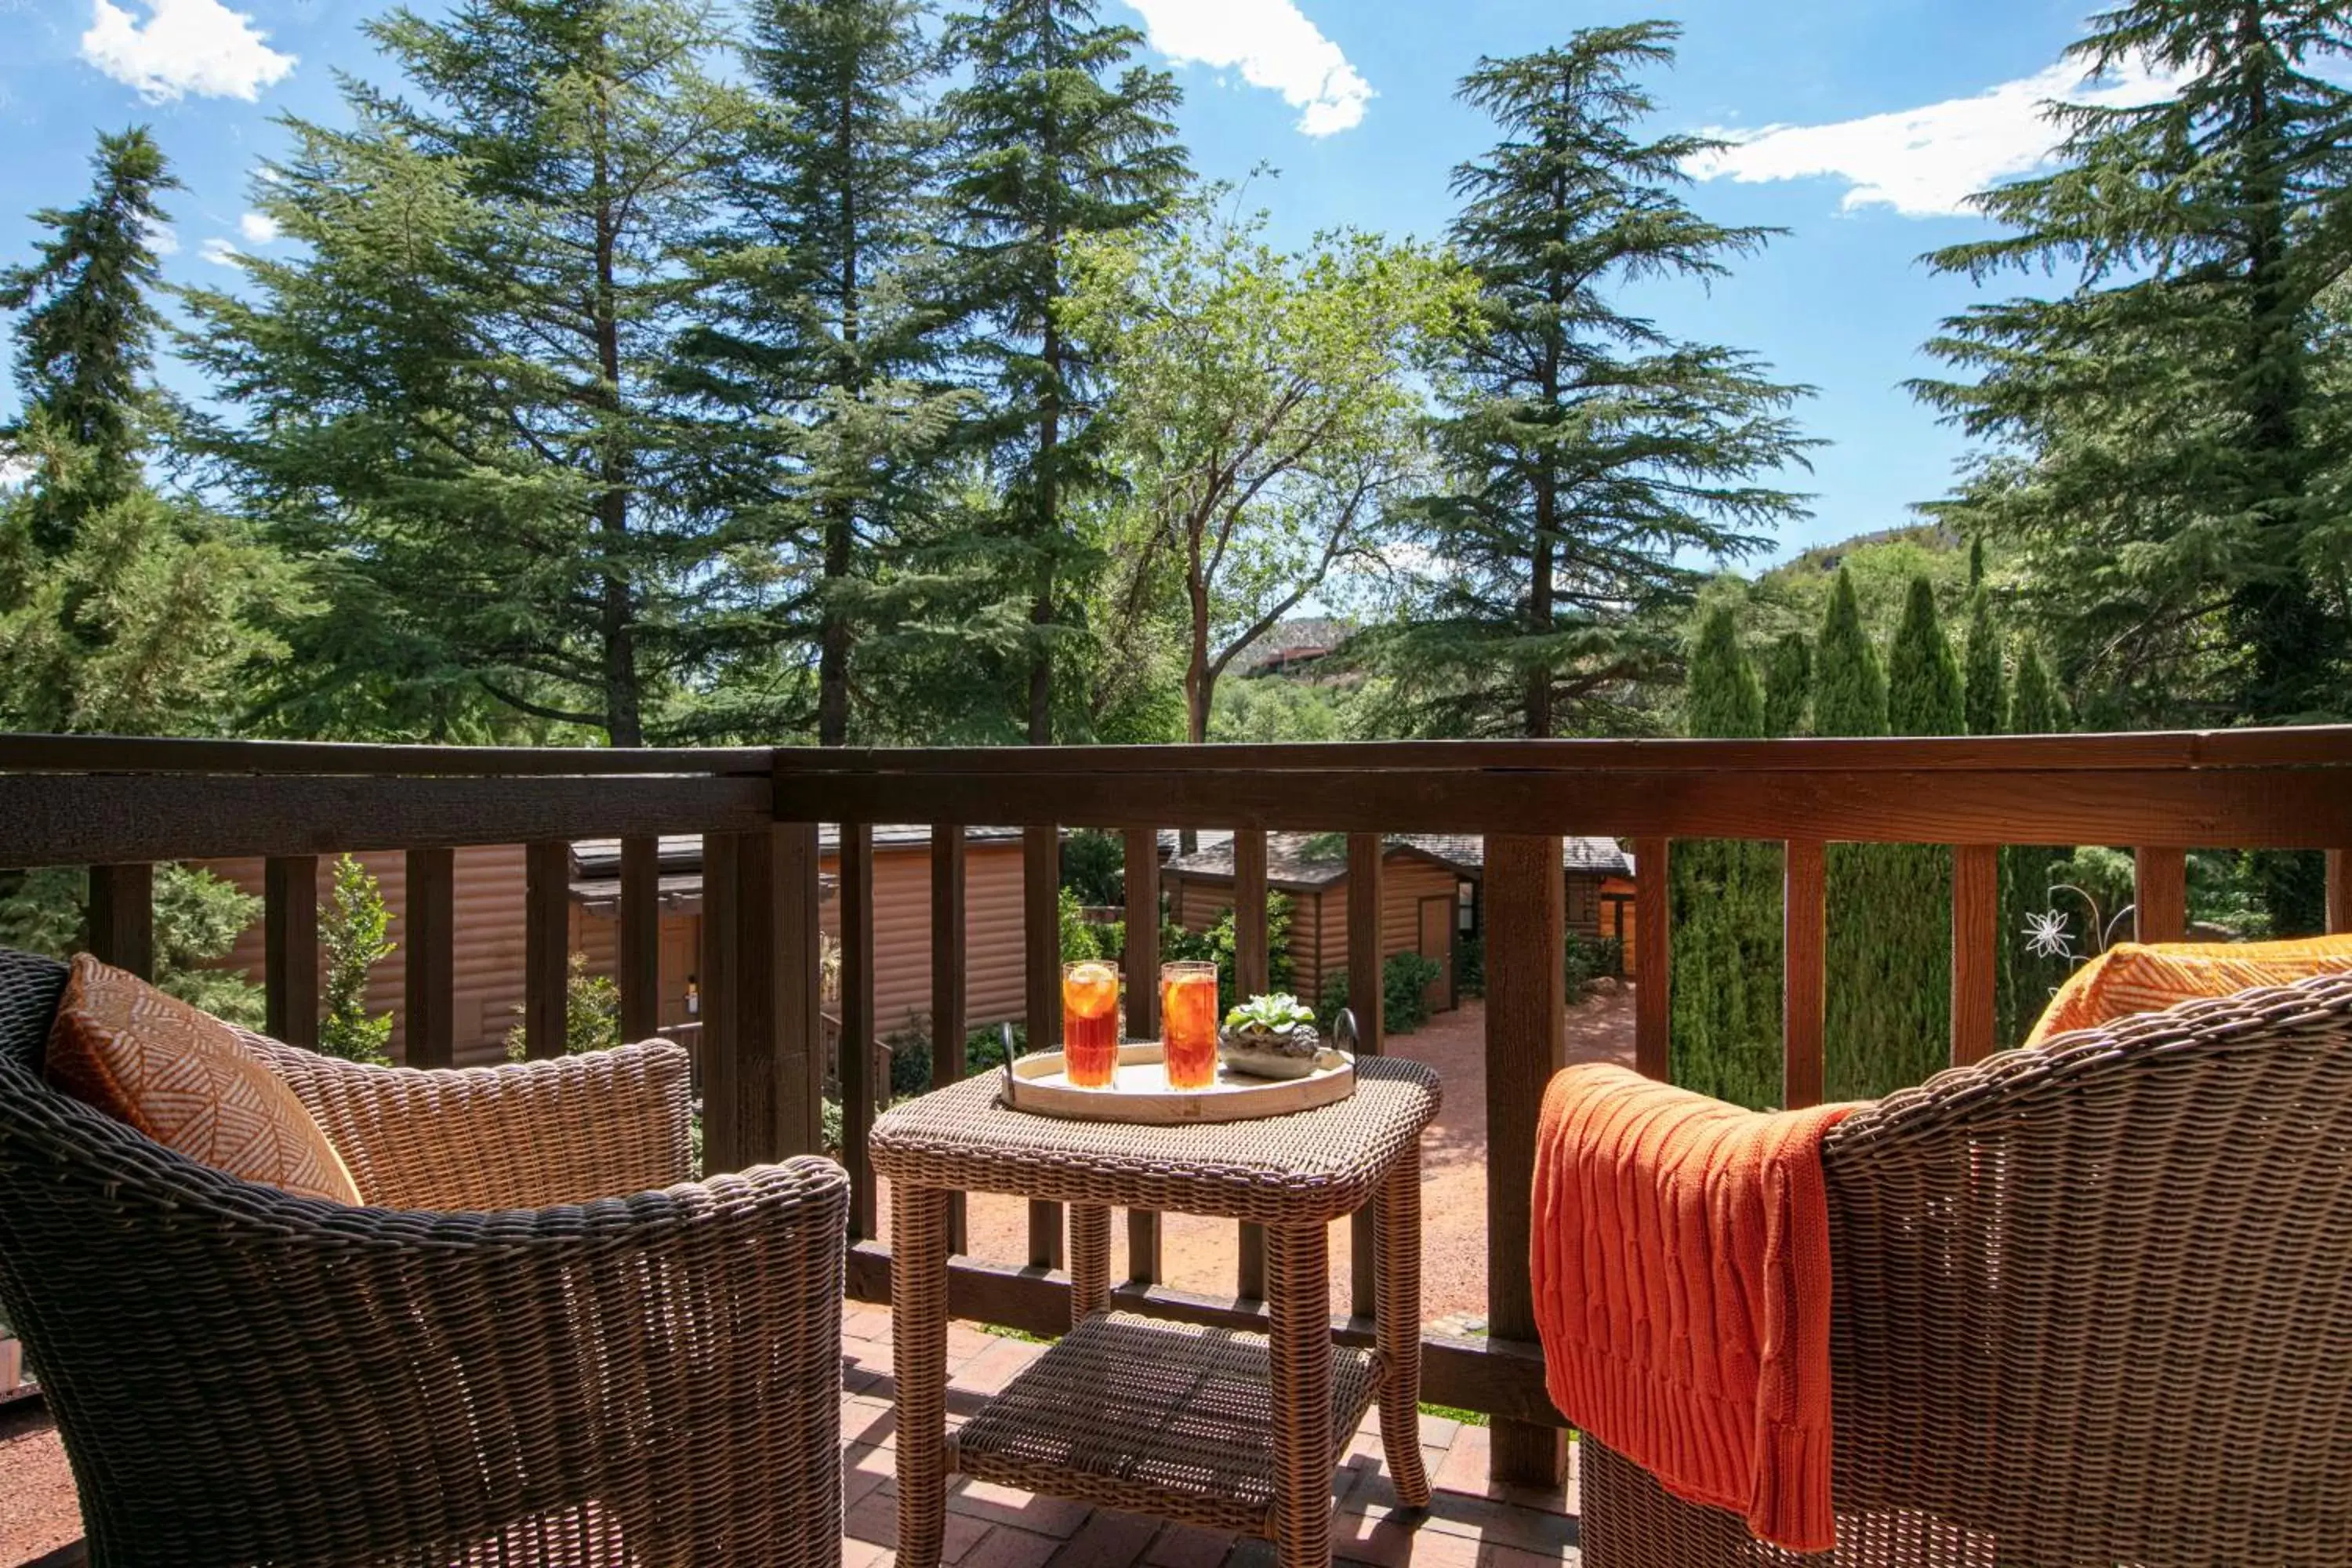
pixel 1681 1264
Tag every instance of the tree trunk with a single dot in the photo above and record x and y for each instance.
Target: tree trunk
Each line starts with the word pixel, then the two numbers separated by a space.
pixel 1199 680
pixel 617 609
pixel 2277 618
pixel 1539 617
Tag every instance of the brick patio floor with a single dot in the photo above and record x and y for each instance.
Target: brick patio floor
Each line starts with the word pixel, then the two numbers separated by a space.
pixel 1471 1524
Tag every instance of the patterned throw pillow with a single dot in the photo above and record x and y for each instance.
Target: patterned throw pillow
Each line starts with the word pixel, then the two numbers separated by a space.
pixel 183 1079
pixel 2134 977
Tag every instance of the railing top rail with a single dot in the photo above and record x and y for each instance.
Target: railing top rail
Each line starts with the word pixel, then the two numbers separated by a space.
pixel 2302 747
pixel 2307 746
pixel 151 755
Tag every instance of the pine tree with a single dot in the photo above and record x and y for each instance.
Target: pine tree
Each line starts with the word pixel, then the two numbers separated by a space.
pixel 1726 990
pixel 122 609
pixel 1789 685
pixel 822 334
pixel 84 343
pixel 1985 682
pixel 1924 695
pixel 454 386
pixel 2037 709
pixel 1056 133
pixel 1589 455
pixel 2168 431
pixel 1848 682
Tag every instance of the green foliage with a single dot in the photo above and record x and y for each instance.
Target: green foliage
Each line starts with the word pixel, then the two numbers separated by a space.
pixel 1274 1011
pixel 1269 709
pixel 1587 455
pixel 1404 982
pixel 1585 959
pixel 352 929
pixel 1094 867
pixel 1083 938
pixel 1789 685
pixel 1888 1013
pixel 1726 990
pixel 910 1054
pixel 1849 683
pixel 1263 412
pixel 592 1014
pixel 454 384
pixel 818 350
pixel 1215 945
pixel 198 919
pixel 84 341
pixel 1055 133
pixel 2165 427
pixel 1985 683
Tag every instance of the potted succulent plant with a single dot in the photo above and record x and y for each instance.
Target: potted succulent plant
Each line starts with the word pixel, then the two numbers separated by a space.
pixel 1271 1037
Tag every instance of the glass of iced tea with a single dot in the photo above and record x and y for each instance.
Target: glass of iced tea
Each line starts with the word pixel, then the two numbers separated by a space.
pixel 1091 1023
pixel 1187 1023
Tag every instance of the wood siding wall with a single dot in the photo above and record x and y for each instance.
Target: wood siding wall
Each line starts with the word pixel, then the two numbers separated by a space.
pixel 490 958
pixel 1319 921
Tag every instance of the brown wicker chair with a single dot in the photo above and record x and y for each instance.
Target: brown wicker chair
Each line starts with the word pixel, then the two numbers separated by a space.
pixel 2093 1305
pixel 545 1346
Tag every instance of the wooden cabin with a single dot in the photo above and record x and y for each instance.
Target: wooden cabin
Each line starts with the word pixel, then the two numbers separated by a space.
pixel 488 982
pixel 1432 887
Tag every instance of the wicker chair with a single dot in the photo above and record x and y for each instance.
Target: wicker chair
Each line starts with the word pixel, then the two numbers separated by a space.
pixel 2093 1305
pixel 544 1346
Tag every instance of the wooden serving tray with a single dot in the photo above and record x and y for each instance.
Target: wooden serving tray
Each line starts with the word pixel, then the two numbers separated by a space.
pixel 1140 1091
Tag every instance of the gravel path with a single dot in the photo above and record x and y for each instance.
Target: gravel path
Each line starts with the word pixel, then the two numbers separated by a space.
pixel 1199 1255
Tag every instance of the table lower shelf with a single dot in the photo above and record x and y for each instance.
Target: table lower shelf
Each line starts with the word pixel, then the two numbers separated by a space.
pixel 1155 1417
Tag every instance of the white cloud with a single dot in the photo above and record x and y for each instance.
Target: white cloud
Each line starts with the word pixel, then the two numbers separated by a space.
pixel 1927 161
pixel 258 228
pixel 220 252
pixel 14 473
pixel 163 238
pixel 1273 45
pixel 182 47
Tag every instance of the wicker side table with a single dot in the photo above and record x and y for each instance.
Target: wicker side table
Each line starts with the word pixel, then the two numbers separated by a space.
pixel 1213 1427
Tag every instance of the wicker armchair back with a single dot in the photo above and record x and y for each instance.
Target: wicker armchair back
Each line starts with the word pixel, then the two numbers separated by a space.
pixel 2094 1304
pixel 620 1374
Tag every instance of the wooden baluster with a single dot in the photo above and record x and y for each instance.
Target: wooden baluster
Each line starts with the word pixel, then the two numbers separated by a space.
pixel 760 1073
pixel 1654 949
pixel 1041 935
pixel 795 957
pixel 1804 936
pixel 949 1026
pixel 720 962
pixel 123 917
pixel 1251 965
pixel 1975 951
pixel 289 965
pixel 2161 878
pixel 1527 1042
pixel 2340 890
pixel 431 940
pixel 1366 950
pixel 1142 887
pixel 547 947
pixel 859 1088
pixel 637 964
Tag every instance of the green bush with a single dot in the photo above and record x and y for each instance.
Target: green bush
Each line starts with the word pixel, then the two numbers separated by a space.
pixel 1470 965
pixel 1094 867
pixel 352 929
pixel 1403 980
pixel 592 1014
pixel 1215 945
pixel 1585 959
pixel 910 1054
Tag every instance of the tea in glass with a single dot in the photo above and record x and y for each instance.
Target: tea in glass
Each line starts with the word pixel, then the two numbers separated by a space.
pixel 1091 1023
pixel 1187 1023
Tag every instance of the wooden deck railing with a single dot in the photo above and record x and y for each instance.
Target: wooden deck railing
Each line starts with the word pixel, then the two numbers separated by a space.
pixel 121 805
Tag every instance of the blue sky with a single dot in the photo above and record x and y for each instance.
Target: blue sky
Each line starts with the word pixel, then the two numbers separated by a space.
pixel 1861 124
